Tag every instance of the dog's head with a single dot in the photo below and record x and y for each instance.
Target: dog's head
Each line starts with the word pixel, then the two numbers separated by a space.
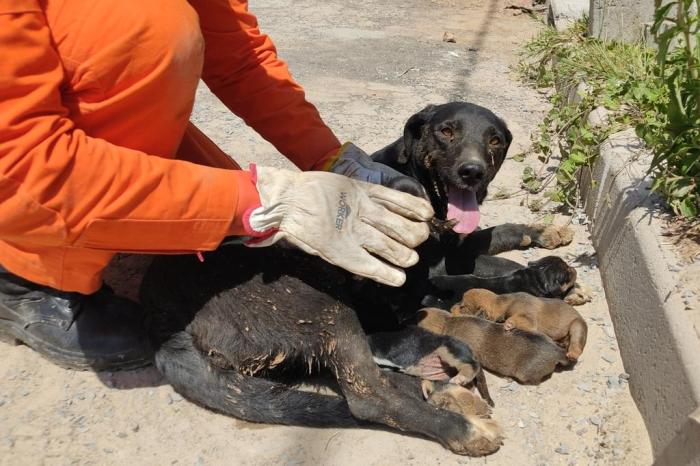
pixel 455 150
pixel 553 275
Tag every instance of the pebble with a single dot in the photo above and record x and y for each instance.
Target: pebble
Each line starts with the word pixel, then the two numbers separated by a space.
pixel 563 414
pixel 580 432
pixel 562 449
pixel 617 452
pixel 613 382
pixel 609 358
pixel 609 332
pixel 624 376
pixel 595 420
pixel 121 434
pixel 512 386
pixel 533 415
pixel 584 387
pixel 108 450
pixel 521 424
pixel 2 401
pixel 150 392
pixel 135 428
pixel 174 398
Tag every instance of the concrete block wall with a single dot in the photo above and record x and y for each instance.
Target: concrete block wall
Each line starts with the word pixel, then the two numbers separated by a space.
pixel 621 20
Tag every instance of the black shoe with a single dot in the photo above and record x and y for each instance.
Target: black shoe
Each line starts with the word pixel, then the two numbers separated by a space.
pixel 98 332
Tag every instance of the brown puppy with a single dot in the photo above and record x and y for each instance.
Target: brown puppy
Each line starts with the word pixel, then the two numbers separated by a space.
pixel 526 357
pixel 455 398
pixel 553 317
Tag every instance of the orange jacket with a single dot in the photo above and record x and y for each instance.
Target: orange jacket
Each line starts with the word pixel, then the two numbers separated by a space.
pixel 88 126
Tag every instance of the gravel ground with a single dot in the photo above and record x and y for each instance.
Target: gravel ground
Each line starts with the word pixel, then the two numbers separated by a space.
pixel 368 65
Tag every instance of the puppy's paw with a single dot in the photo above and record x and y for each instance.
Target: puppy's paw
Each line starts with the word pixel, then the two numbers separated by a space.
pixel 579 294
pixel 551 236
pixel 460 379
pixel 482 437
pixel 508 326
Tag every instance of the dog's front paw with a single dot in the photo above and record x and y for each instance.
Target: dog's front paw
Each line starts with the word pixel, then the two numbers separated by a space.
pixel 481 437
pixel 579 294
pixel 551 236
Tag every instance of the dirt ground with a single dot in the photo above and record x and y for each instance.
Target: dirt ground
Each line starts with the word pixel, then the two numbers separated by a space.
pixel 368 65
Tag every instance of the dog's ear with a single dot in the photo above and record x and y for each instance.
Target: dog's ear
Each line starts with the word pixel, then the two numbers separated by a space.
pixel 509 135
pixel 413 130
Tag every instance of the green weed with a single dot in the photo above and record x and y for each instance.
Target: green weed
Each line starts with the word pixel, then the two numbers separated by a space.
pixel 658 93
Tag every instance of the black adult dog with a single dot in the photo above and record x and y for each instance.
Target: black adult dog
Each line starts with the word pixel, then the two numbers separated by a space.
pixel 234 332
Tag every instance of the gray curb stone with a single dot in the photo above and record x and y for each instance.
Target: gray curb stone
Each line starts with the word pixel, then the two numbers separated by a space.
pixel 563 13
pixel 659 337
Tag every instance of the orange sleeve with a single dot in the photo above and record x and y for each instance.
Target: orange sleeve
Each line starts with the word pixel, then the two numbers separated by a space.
pixel 59 186
pixel 242 69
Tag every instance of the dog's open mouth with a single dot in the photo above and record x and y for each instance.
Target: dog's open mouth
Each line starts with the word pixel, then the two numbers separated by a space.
pixel 462 207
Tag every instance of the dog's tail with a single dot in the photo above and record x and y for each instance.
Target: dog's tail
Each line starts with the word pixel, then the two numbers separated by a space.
pixel 578 332
pixel 248 398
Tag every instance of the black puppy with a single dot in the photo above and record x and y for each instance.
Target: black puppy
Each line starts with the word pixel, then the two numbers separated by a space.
pixel 423 354
pixel 549 277
pixel 229 332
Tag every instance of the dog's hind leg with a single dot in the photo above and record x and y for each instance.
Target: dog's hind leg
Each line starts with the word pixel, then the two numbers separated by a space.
pixel 250 398
pixel 373 397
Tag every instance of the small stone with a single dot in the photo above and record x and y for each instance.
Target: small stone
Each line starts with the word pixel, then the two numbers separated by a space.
pixel 121 434
pixel 563 414
pixel 608 358
pixel 595 420
pixel 584 387
pixel 410 456
pixel 2 401
pixel 580 432
pixel 109 451
pixel 176 397
pixel 562 449
pixel 617 452
pixel 533 415
pixel 609 332
pixel 199 461
pixel 135 428
pixel 613 382
pixel 624 376
pixel 449 37
pixel 150 392
pixel 521 424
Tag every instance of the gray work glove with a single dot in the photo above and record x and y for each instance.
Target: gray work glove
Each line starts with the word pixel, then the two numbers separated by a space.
pixel 354 163
pixel 364 228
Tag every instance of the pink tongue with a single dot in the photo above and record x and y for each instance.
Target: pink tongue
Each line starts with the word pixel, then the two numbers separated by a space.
pixel 462 206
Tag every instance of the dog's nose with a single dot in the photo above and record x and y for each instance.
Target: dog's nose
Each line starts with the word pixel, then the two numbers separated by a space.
pixel 471 173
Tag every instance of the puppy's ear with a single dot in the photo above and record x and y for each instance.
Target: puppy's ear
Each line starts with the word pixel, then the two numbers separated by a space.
pixel 413 130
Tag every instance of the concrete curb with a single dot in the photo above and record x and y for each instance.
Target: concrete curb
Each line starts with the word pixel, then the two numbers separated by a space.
pixel 563 13
pixel 659 341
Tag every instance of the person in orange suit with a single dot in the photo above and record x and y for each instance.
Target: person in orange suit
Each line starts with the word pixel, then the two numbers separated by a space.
pixel 97 156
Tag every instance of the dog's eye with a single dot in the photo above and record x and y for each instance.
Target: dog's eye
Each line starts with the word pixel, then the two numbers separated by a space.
pixel 447 132
pixel 495 141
